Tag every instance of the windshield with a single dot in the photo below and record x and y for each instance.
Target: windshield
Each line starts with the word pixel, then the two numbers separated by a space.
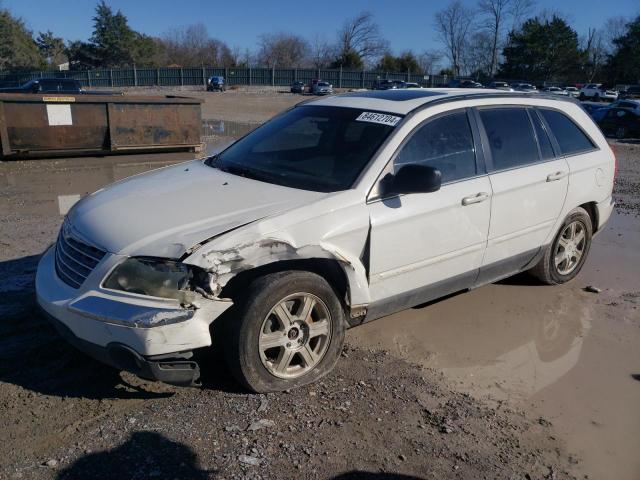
pixel 309 147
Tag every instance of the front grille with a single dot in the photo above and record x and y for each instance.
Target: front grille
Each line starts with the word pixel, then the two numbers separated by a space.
pixel 75 260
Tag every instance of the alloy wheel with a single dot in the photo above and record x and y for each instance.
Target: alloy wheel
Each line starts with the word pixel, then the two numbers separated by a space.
pixel 570 247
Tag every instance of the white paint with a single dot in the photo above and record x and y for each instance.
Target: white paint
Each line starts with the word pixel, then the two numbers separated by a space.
pixel 65 202
pixel 59 114
pixel 226 223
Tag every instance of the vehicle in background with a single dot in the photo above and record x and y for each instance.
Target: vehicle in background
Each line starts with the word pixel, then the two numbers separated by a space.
pixel 595 110
pixel 216 83
pixel 628 104
pixel 411 85
pixel 572 91
pixel 470 84
pixel 621 122
pixel 297 87
pixel 554 90
pixel 322 88
pixel 54 85
pixel 596 92
pixel 632 91
pixel 524 87
pixel 389 84
pixel 500 86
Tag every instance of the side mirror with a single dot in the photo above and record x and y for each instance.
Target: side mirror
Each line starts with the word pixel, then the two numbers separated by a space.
pixel 414 179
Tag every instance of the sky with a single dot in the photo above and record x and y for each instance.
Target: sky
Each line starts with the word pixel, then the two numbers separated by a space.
pixel 407 24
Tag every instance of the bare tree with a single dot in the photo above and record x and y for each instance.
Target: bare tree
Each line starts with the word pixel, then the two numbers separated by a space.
pixel 518 12
pixel 361 36
pixel 614 27
pixel 322 52
pixel 478 54
pixel 594 46
pixel 453 24
pixel 192 45
pixel 430 60
pixel 283 50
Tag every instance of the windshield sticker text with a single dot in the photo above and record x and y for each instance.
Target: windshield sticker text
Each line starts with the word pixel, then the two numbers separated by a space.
pixel 382 118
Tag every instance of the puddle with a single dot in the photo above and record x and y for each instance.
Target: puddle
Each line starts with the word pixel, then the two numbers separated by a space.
pixel 556 352
pixel 213 129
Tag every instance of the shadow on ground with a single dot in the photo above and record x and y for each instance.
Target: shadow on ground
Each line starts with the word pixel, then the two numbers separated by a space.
pixel 144 455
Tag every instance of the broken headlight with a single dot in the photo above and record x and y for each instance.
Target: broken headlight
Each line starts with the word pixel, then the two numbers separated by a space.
pixel 154 277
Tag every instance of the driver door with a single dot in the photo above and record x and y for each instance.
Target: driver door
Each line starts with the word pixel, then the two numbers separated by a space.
pixel 427 245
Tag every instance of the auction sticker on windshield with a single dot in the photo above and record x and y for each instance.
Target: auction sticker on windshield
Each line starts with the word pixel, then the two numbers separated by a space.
pixel 382 118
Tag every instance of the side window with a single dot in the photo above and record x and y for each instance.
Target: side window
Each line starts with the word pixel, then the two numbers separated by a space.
pixel 445 143
pixel 570 137
pixel 546 150
pixel 510 136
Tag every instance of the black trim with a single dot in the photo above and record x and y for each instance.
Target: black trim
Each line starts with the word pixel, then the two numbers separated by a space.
pixel 170 368
pixel 419 296
pixel 468 280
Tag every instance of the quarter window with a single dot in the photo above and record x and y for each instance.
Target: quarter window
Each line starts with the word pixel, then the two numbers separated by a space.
pixel 510 136
pixel 445 143
pixel 569 136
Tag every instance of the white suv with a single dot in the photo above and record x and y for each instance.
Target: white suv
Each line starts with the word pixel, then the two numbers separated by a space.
pixel 334 213
pixel 595 92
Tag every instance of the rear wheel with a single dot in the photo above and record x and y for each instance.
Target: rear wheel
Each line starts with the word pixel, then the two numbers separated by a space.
pixel 289 332
pixel 564 257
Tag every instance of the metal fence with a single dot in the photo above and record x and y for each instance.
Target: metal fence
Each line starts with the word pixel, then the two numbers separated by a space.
pixel 175 77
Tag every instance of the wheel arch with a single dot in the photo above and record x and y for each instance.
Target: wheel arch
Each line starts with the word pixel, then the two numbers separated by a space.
pixel 592 210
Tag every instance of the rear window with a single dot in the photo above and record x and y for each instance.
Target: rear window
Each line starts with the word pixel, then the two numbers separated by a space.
pixel 510 136
pixel 570 137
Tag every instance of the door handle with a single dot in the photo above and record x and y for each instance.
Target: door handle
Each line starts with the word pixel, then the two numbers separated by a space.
pixel 552 177
pixel 477 198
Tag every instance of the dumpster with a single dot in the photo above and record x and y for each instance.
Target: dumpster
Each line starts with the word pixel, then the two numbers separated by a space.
pixel 88 124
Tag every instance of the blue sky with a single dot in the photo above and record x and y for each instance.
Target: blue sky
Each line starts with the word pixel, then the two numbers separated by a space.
pixel 407 24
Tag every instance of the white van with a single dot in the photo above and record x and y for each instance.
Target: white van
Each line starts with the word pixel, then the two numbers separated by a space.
pixel 334 213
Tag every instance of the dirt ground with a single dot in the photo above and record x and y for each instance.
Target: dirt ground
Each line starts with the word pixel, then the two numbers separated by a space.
pixel 514 380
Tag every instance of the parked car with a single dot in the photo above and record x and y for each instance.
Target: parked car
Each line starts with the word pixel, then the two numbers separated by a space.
pixel 297 87
pixel 216 83
pixel 554 91
pixel 54 85
pixel 620 122
pixel 469 84
pixel 595 110
pixel 262 245
pixel 628 104
pixel 597 92
pixel 525 87
pixel 501 86
pixel 630 93
pixel 389 84
pixel 322 88
pixel 572 91
pixel 411 85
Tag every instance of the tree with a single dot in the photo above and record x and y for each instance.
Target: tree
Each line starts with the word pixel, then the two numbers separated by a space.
pixel 452 25
pixel 359 41
pixel 624 63
pixel 112 38
pixel 429 61
pixel 406 62
pixel 283 50
pixel 478 55
pixel 18 50
pixel 192 46
pixel 82 55
pixel 542 50
pixel 321 52
pixel 51 48
pixel 595 53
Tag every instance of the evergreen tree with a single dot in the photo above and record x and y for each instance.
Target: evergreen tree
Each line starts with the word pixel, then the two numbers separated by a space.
pixel 624 63
pixel 113 39
pixel 542 50
pixel 51 48
pixel 18 50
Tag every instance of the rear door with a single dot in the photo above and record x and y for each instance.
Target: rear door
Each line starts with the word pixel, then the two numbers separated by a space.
pixel 529 184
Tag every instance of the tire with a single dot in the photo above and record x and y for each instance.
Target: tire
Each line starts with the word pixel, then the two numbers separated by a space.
pixel 582 97
pixel 548 270
pixel 596 97
pixel 621 132
pixel 258 324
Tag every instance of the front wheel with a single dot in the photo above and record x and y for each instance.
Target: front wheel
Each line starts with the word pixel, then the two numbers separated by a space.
pixel 565 256
pixel 289 332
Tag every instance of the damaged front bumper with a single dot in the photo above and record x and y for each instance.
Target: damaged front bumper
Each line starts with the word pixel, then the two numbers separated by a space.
pixel 150 337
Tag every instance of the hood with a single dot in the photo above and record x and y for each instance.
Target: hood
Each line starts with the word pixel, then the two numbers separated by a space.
pixel 165 212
